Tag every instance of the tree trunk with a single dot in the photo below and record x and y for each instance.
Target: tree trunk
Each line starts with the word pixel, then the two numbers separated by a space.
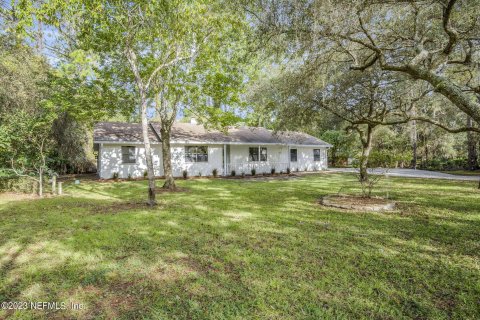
pixel 425 149
pixel 366 148
pixel 413 139
pixel 148 153
pixel 40 182
pixel 167 159
pixel 471 147
pixel 142 89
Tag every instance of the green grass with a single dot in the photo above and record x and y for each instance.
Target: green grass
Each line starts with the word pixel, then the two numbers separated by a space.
pixel 237 249
pixel 464 172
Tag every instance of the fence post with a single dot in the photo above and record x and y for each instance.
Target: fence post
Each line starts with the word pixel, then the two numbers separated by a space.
pixel 60 190
pixel 54 183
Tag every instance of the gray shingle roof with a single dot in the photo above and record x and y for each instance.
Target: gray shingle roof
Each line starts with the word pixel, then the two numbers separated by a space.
pixel 188 133
pixel 120 132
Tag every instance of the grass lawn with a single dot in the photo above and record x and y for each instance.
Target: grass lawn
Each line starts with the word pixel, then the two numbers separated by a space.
pixel 240 249
pixel 464 172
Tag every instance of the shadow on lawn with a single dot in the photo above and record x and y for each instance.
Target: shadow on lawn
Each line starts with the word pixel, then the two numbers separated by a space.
pixel 228 250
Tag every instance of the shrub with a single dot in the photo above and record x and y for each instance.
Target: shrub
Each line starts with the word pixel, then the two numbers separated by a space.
pixel 243 174
pixel 254 172
pixel 115 176
pixel 215 173
pixel 298 169
pixel 446 164
pixel 17 184
pixel 185 174
pixel 272 171
pixel 288 171
pixel 129 176
pixel 233 173
pixel 145 173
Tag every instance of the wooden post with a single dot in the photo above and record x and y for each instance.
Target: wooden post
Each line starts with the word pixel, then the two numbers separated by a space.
pixel 60 191
pixel 40 182
pixel 54 183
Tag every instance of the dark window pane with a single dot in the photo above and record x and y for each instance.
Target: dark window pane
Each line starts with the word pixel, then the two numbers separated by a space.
pixel 263 154
pixel 202 157
pixel 128 155
pixel 316 154
pixel 253 154
pixel 293 155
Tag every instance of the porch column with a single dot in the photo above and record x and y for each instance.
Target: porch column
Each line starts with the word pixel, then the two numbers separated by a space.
pixel 288 157
pixel 225 160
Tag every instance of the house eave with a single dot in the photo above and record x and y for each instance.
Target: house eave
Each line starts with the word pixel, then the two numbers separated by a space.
pixel 188 142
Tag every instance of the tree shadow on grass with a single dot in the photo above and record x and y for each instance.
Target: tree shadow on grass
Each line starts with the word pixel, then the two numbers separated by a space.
pixel 265 250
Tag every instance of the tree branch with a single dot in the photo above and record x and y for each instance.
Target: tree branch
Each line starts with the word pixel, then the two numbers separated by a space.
pixel 444 127
pixel 166 65
pixel 452 33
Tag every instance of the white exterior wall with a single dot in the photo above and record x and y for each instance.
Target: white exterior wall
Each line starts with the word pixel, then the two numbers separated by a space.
pixel 278 157
pixel 305 159
pixel 111 161
pixel 215 161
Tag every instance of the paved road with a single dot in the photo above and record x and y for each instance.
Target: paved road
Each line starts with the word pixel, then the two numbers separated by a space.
pixel 411 173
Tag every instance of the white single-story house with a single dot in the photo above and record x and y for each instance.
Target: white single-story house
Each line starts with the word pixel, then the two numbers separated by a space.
pixel 200 151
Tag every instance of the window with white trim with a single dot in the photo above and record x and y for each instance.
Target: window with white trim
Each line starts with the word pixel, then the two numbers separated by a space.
pixel 316 155
pixel 257 154
pixel 196 154
pixel 128 154
pixel 263 154
pixel 293 155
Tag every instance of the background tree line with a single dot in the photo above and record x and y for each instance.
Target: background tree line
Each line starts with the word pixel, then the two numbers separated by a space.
pixel 403 76
pixel 392 83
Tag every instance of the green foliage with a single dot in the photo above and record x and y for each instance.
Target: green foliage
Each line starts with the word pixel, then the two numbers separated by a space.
pixel 344 145
pixel 17 184
pixel 443 164
pixel 78 86
pixel 185 174
pixel 189 53
pixel 215 173
pixel 253 171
